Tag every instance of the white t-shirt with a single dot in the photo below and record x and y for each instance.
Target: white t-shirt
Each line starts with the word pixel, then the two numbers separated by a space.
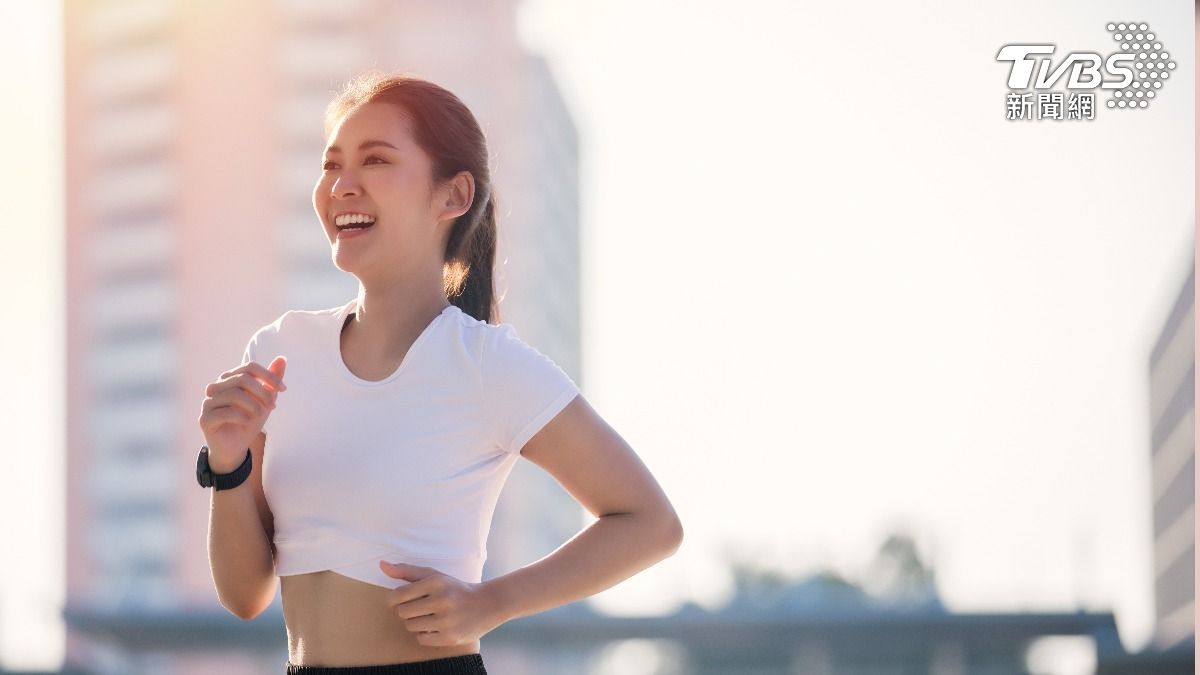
pixel 407 468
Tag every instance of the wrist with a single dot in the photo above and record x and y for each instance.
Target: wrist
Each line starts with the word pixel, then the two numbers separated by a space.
pixel 500 600
pixel 218 477
pixel 223 465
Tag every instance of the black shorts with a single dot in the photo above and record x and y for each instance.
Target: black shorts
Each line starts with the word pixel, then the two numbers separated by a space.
pixel 465 664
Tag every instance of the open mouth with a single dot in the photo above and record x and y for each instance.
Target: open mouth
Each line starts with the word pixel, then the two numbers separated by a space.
pixel 353 222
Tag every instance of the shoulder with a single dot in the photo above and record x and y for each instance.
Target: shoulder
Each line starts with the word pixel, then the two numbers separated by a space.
pixel 496 340
pixel 497 349
pixel 298 323
pixel 480 335
pixel 505 355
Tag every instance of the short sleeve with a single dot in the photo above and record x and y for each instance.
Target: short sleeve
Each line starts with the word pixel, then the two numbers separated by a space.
pixel 262 343
pixel 523 389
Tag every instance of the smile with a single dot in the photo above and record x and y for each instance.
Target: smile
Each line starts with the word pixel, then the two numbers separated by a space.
pixel 349 232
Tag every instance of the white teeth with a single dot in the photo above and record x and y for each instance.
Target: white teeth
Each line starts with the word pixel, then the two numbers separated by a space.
pixel 351 218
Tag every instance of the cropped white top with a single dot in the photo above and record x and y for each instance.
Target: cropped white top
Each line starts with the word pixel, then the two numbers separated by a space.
pixel 407 468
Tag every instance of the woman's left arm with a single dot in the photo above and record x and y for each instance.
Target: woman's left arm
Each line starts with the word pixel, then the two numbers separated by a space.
pixel 636 527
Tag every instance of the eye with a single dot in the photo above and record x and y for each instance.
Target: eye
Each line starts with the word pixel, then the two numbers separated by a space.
pixel 326 166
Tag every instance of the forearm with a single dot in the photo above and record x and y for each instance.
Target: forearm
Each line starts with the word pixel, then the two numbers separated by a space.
pixel 610 550
pixel 239 553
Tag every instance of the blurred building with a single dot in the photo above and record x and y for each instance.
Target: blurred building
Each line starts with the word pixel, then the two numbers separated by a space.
pixel 1173 472
pixel 193 140
pixel 1172 365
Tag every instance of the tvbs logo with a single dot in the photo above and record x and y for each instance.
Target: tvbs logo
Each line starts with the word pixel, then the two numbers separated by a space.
pixel 1133 74
pixel 1080 64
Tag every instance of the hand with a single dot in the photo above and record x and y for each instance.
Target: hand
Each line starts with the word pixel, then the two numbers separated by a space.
pixel 236 407
pixel 441 610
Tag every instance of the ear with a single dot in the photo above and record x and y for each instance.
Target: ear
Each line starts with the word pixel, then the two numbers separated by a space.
pixel 459 192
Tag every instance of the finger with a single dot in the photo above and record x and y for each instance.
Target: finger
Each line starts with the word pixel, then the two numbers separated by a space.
pixel 227 415
pixel 245 381
pixel 421 623
pixel 406 593
pixel 251 403
pixel 237 398
pixel 278 365
pixel 257 370
pixel 211 403
pixel 409 571
pixel 430 638
pixel 261 372
pixel 242 414
pixel 222 401
pixel 260 391
pixel 418 607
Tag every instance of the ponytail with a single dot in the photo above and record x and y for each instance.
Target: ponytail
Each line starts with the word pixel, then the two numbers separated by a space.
pixel 469 271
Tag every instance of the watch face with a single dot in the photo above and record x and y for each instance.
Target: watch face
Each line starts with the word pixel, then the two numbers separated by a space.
pixel 203 473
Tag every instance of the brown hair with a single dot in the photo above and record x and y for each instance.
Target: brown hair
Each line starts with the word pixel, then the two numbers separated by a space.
pixel 447 131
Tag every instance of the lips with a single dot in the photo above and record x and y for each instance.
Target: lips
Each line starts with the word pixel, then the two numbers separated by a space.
pixel 349 231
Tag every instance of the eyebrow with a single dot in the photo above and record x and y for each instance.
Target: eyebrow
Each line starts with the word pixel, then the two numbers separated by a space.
pixel 365 144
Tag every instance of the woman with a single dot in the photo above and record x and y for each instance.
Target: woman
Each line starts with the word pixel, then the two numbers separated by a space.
pixel 373 497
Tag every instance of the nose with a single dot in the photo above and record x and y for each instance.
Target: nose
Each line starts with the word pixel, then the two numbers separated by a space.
pixel 344 186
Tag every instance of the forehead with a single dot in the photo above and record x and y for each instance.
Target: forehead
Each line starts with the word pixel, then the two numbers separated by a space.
pixel 371 121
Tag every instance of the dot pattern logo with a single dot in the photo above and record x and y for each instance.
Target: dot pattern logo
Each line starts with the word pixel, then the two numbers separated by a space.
pixel 1153 65
pixel 1134 73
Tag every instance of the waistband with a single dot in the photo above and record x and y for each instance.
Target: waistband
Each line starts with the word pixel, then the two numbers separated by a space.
pixel 464 664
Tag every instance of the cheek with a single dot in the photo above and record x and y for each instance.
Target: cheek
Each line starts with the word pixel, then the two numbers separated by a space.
pixel 320 194
pixel 397 194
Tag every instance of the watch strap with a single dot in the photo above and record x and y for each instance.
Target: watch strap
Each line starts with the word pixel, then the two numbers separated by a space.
pixel 223 481
pixel 227 481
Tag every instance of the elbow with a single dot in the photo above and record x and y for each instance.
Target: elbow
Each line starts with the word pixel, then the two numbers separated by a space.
pixel 251 613
pixel 677 536
pixel 248 610
pixel 247 613
pixel 673 536
pixel 242 611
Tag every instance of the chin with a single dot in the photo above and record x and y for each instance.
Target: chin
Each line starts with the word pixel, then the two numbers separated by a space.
pixel 344 260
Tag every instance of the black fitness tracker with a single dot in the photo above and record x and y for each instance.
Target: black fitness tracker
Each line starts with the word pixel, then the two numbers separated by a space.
pixel 222 481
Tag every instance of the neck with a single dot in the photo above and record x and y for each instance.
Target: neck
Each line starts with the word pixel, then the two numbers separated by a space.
pixel 387 320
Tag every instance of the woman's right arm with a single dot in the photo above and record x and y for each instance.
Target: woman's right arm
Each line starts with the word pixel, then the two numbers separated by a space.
pixel 240 535
pixel 241 528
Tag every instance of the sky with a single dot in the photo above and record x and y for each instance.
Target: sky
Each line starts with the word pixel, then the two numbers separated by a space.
pixel 852 296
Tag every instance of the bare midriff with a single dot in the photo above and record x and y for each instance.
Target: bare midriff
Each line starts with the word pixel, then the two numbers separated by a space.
pixel 333 620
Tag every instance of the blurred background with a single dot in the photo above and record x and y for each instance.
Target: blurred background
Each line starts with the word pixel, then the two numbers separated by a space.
pixel 918 378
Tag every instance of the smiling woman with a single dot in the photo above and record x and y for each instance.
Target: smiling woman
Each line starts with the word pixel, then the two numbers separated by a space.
pixel 372 481
pixel 396 146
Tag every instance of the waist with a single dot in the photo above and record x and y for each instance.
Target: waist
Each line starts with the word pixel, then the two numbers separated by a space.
pixel 466 664
pixel 335 620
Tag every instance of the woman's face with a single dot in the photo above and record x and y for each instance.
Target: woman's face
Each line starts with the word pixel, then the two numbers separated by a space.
pixel 372 166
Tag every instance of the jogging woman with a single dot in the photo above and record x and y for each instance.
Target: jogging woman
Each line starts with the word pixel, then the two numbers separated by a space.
pixel 358 451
